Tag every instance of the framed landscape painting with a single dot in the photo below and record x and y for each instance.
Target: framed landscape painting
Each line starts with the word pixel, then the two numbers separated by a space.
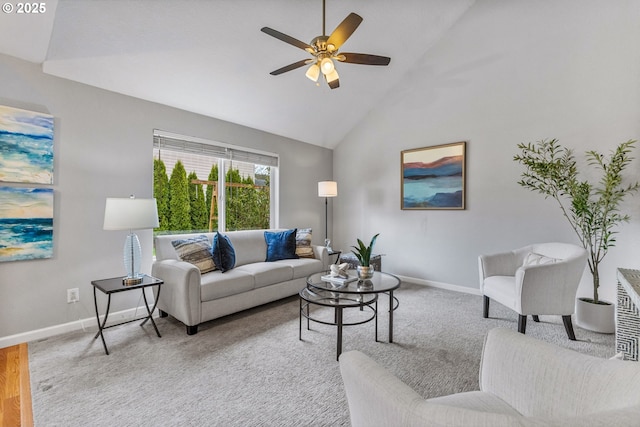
pixel 433 177
pixel 26 223
pixel 26 146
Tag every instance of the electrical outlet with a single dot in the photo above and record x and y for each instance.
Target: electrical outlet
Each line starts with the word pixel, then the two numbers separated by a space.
pixel 73 295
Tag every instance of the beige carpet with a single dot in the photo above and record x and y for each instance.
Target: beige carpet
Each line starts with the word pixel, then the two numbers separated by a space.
pixel 250 369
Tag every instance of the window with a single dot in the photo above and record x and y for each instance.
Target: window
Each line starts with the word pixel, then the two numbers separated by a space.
pixel 204 186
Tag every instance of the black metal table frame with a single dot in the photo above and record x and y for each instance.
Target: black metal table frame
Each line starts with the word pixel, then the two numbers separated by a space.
pixel 393 301
pixel 338 318
pixel 148 317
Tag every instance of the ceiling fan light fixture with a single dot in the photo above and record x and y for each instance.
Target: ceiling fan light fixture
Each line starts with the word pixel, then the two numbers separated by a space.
pixel 332 76
pixel 326 65
pixel 313 72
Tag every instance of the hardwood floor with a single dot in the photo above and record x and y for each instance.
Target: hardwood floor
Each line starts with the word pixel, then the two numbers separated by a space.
pixel 15 388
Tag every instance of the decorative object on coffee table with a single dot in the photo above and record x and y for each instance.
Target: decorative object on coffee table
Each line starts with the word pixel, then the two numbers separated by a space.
pixel 350 258
pixel 363 253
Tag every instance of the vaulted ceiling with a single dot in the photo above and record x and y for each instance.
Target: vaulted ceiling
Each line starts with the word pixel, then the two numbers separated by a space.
pixel 211 58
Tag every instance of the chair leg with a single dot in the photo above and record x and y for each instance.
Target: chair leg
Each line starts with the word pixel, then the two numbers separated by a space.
pixel 485 308
pixel 522 323
pixel 568 326
pixel 535 318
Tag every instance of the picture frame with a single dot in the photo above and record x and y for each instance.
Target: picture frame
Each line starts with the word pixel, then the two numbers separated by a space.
pixel 26 146
pixel 26 223
pixel 433 177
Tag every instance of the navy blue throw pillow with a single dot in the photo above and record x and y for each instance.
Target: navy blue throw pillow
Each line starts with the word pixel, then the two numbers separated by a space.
pixel 281 244
pixel 224 256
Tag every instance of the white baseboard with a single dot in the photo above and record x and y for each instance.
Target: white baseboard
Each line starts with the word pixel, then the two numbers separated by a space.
pixel 440 285
pixel 120 316
pixel 80 324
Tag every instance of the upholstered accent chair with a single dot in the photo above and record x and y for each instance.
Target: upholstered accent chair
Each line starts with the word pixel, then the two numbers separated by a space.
pixel 523 382
pixel 539 279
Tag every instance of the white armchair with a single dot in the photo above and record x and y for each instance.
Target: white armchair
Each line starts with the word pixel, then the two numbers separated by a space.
pixel 536 279
pixel 523 382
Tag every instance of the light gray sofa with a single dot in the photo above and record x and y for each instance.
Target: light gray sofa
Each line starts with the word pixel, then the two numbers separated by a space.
pixel 523 382
pixel 194 298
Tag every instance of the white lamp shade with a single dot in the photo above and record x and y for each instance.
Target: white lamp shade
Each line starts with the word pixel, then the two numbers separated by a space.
pixel 327 189
pixel 130 214
pixel 313 72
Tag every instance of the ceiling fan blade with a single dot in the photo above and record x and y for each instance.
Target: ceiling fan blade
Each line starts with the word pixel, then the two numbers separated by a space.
pixel 334 84
pixel 344 30
pixel 290 67
pixel 287 39
pixel 363 58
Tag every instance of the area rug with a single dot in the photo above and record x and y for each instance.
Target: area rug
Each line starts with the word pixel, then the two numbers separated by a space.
pixel 250 369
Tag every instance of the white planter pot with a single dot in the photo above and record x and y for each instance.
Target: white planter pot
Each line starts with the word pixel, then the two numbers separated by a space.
pixel 596 317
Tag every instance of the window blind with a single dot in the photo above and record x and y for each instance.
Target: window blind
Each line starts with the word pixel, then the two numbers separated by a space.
pixel 173 142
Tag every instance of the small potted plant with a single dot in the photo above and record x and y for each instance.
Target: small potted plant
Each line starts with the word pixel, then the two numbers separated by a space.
pixel 594 211
pixel 363 254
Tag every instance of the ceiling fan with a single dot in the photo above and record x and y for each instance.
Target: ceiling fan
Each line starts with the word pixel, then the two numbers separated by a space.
pixel 324 50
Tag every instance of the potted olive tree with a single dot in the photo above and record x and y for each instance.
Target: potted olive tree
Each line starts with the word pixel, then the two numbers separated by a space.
pixel 363 254
pixel 593 210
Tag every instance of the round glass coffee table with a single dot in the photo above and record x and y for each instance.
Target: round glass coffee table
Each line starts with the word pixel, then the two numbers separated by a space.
pixel 358 293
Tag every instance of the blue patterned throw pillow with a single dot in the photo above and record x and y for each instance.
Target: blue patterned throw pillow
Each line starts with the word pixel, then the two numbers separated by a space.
pixel 224 256
pixel 281 245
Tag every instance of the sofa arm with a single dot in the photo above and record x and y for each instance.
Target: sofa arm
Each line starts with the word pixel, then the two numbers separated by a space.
pixel 375 396
pixel 537 378
pixel 501 264
pixel 378 398
pixel 180 293
pixel 321 253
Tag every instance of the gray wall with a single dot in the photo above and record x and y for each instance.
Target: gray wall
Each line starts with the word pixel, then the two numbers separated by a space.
pixel 103 148
pixel 507 72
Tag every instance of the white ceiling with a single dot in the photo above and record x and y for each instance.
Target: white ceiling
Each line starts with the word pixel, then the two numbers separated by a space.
pixel 210 57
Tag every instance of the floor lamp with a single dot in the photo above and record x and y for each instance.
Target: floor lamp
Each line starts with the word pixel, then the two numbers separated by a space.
pixel 327 189
pixel 131 214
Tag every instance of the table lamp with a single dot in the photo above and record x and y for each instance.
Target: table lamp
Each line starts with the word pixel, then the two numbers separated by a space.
pixel 327 189
pixel 131 214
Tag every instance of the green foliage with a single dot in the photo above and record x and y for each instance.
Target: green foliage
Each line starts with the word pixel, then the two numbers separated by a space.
pixel 161 193
pixel 213 176
pixel 197 205
pixel 179 207
pixel 247 205
pixel 188 207
pixel 593 210
pixel 362 252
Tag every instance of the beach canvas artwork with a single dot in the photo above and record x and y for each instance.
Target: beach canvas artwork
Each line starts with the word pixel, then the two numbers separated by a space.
pixel 433 177
pixel 26 146
pixel 26 223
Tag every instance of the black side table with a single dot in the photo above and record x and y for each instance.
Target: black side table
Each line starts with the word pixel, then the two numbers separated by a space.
pixel 333 252
pixel 113 285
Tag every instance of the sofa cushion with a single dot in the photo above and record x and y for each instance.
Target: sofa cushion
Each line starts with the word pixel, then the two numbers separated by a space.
pixel 197 251
pixel 249 245
pixel 533 258
pixel 302 267
pixel 267 273
pixel 216 285
pixel 303 243
pixel 280 244
pixel 222 252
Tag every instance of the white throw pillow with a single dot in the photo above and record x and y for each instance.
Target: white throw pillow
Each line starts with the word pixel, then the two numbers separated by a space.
pixel 533 258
